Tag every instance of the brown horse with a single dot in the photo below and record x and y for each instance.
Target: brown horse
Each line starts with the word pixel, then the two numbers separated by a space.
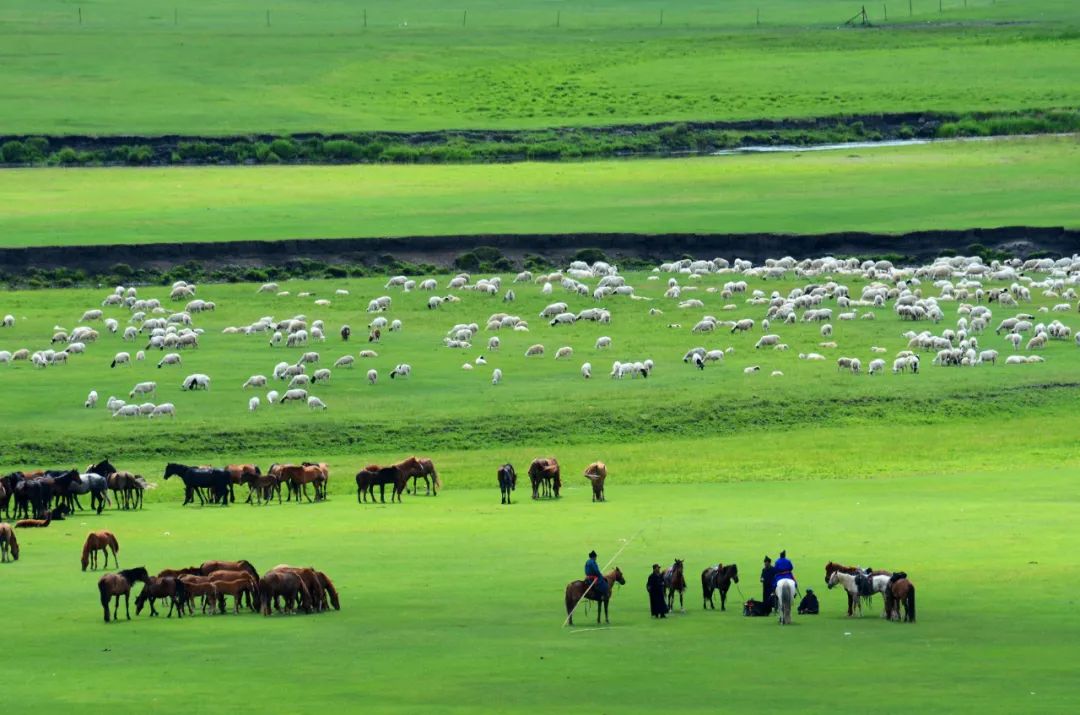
pixel 287 585
pixel 373 475
pixel 173 573
pixel 900 591
pixel 8 543
pixel 312 583
pixel 99 541
pixel 331 591
pixel 242 474
pixel 544 472
pixel 208 567
pixel 261 487
pixel 852 601
pixel 156 587
pixel 299 476
pixel 199 586
pixel 421 468
pixel 33 523
pixel 238 584
pixel 674 582
pixel 115 585
pixel 718 578
pixel 597 474
pixel 576 590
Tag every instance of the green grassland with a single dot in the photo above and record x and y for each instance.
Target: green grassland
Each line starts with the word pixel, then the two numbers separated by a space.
pixel 966 478
pixel 132 68
pixel 937 186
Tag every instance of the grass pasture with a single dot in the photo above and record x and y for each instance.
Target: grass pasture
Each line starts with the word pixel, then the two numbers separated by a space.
pixel 950 185
pixel 132 68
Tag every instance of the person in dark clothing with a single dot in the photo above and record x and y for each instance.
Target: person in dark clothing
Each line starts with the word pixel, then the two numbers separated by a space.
pixel 655 586
pixel 767 575
pixel 808 604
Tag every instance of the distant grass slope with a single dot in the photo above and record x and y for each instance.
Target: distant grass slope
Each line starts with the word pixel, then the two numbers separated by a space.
pixel 220 69
pixel 939 186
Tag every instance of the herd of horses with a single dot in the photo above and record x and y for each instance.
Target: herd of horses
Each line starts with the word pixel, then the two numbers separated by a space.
pixel 546 478
pixel 284 589
pixel 895 587
pixel 47 494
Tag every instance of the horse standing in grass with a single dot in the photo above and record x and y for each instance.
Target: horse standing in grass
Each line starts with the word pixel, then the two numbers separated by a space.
pixel 195 478
pixel 9 545
pixel 877 581
pixel 162 587
pixel 115 585
pixel 718 578
pixel 507 481
pixel 576 590
pixel 900 592
pixel 96 486
pixel 99 541
pixel 421 468
pixel 596 473
pixel 674 582
pixel 785 595
pixel 545 475
pixel 372 475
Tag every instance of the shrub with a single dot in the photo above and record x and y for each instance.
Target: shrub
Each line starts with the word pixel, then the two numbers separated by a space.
pixel 285 149
pixel 15 152
pixel 590 255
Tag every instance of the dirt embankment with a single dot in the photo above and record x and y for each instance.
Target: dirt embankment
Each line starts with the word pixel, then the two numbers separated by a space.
pixel 1019 241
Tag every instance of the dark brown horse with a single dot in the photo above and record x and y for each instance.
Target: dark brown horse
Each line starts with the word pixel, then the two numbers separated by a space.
pixel 199 586
pixel 675 582
pixel 299 476
pixel 576 590
pixel 900 591
pixel 99 541
pixel 8 544
pixel 288 586
pixel 421 468
pixel 718 578
pixel 168 587
pixel 312 582
pixel 239 585
pixel 115 585
pixel 544 474
pixel 596 473
pixel 373 475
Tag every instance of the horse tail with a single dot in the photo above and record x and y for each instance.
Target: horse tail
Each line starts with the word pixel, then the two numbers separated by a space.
pixel 910 603
pixel 85 560
pixel 104 592
pixel 435 476
pixel 785 600
pixel 113 543
pixel 13 544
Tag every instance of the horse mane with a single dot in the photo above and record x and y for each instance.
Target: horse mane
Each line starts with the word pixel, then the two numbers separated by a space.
pixel 86 551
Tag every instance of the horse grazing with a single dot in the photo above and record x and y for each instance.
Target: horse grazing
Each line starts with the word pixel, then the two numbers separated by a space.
pixel 199 586
pixel 507 481
pixel 115 585
pixel 208 567
pixel 785 595
pixel 329 589
pixel 195 478
pixel 674 582
pixel 157 587
pixel 372 475
pixel 544 473
pixel 900 591
pixel 597 473
pixel 421 468
pixel 576 590
pixel 299 476
pixel 99 541
pixel 238 584
pixel 718 578
pixel 288 586
pixel 8 544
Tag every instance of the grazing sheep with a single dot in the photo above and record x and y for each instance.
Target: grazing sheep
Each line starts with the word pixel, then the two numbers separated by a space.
pixel 345 361
pixel 764 340
pixel 434 302
pixel 299 380
pixel 368 354
pixel 586 370
pixel 776 373
pixel 91 315
pixel 294 395
pixel 165 408
pixel 271 397
pixel 314 403
pixel 321 375
pixel 534 350
pixel 403 369
pixel 989 356
pixel 603 342
pixel 467 366
pixel 395 326
pixel 9 321
pixel 112 325
pixel 493 343
pixel 876 366
pixel 496 376
pixel 253 404
pixel 826 330
pixel 91 399
pixel 196 381
pixel 143 388
pixel 372 377
pixel 564 352
pixel 743 325
pixel 169 359
pixel 127 411
pixel 121 359
pixel 752 369
pixel 140 356
pixel 876 349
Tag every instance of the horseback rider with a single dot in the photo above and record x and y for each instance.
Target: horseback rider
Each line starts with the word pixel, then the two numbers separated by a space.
pixel 767 589
pixel 783 569
pixel 594 577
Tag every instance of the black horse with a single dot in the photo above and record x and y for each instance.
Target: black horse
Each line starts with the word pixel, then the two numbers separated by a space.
pixel 63 484
pixel 217 481
pixel 718 578
pixel 32 496
pixel 367 479
pixel 507 481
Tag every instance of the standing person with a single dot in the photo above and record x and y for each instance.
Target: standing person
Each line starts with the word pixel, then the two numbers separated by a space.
pixel 655 586
pixel 767 588
pixel 593 575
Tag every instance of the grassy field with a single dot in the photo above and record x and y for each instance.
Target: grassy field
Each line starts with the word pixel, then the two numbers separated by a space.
pixel 135 68
pixel 964 477
pixel 938 186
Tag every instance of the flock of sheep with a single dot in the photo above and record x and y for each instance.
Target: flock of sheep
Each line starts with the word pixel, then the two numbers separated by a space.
pixel 917 295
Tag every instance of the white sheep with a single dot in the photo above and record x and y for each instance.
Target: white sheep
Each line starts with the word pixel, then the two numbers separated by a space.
pixel 294 395
pixel 403 369
pixel 169 359
pixel 299 380
pixel 372 377
pixel 603 342
pixel 271 397
pixel 143 388
pixel 876 366
pixel 314 403
pixel 91 399
pixel 366 354
pixel 196 381
pixel 9 321
pixel 140 356
pixel 776 373
pixel 752 369
pixel 564 352
pixel 496 376
pixel 534 350
pixel 253 403
pixel 586 370
pixel 395 326
pixel 493 343
pixel 165 408
pixel 345 361
pixel 321 375
pixel 467 366
pixel 121 359
pixel 826 330
pixel 127 411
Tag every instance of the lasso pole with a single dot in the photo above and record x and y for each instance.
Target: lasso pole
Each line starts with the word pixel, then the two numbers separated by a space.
pixel 589 588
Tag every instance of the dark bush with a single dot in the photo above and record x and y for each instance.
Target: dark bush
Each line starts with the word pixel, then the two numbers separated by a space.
pixel 15 152
pixel 285 149
pixel 590 255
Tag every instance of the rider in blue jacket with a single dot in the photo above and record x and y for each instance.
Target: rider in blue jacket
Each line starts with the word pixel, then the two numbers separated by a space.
pixel 784 569
pixel 594 576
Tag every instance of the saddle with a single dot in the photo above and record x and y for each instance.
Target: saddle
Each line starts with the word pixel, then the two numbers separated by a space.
pixel 865 584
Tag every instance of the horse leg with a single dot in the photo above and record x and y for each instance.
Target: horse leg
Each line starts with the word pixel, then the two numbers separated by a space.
pixel 116 608
pixel 723 599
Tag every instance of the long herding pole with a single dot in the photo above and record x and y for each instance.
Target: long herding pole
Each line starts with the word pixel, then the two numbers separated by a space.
pixel 610 561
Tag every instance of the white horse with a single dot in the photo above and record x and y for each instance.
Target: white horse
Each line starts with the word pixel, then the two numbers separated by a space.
pixel 785 595
pixel 878 584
